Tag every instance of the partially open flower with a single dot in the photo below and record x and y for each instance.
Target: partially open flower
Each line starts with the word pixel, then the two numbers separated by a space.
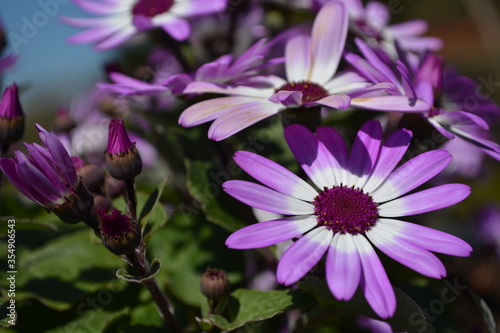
pixel 47 176
pixel 11 116
pixel 120 233
pixel 122 158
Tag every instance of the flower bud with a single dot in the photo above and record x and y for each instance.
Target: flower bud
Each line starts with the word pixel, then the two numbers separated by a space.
pixel 11 116
pixel 122 158
pixel 120 233
pixel 100 202
pixel 113 187
pixel 92 176
pixel 63 123
pixel 214 284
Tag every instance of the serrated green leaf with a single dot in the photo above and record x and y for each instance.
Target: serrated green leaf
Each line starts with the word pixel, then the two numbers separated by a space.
pixel 247 306
pixel 155 268
pixel 208 192
pixel 146 315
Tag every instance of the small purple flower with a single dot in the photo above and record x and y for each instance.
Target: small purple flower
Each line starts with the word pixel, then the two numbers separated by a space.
pixel 352 206
pixel 310 63
pixel 421 80
pixel 11 117
pixel 122 158
pixel 122 19
pixel 47 176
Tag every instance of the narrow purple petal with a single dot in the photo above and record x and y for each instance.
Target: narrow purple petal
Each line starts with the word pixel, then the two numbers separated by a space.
pixel 460 118
pixel 271 232
pixel 95 34
pixel 339 101
pixel 421 43
pixel 334 142
pixel 240 117
pixel 303 255
pixel 343 267
pixel 426 238
pixel 406 80
pixel 264 198
pixel 209 110
pixel 61 157
pixel 118 38
pixel 346 82
pixel 488 146
pixel 390 103
pixel 385 73
pixel 298 58
pixel 412 174
pixel 364 153
pixel 311 154
pixel 41 162
pixel 38 184
pixel 190 8
pixel 374 281
pixel 98 8
pixel 274 175
pixel 209 87
pixel 408 28
pixel 287 98
pixel 9 168
pixel 425 201
pixel 327 40
pixel 177 27
pixel 416 258
pixel 391 153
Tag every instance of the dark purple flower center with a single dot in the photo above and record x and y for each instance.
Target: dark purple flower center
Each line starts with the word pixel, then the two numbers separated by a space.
pixel 151 8
pixel 311 92
pixel 114 224
pixel 345 209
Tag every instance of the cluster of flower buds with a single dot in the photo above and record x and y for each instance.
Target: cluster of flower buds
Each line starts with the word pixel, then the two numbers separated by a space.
pixel 67 186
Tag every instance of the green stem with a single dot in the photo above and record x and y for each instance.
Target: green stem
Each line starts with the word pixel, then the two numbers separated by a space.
pixel 130 198
pixel 160 299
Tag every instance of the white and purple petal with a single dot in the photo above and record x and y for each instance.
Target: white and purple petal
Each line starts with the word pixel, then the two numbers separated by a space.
pixel 303 255
pixel 274 175
pixel 343 267
pixel 425 201
pixel 268 233
pixel 267 199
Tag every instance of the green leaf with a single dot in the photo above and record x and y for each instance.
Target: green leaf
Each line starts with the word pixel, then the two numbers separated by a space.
pixel 408 312
pixel 486 313
pixel 91 321
pixel 247 306
pixel 208 193
pixel 155 268
pixel 151 212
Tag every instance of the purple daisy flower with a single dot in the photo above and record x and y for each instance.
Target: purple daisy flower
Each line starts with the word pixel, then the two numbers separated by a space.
pixel 420 80
pixel 371 22
pixel 122 19
pixel 310 63
pixel 353 206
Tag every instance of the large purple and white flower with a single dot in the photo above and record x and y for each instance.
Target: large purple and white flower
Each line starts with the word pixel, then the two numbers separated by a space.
pixel 310 62
pixel 351 206
pixel 122 19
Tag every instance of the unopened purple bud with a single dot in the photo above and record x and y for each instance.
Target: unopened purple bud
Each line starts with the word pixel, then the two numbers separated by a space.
pixel 92 177
pixel 11 116
pixel 120 234
pixel 214 284
pixel 100 202
pixel 114 187
pixel 122 158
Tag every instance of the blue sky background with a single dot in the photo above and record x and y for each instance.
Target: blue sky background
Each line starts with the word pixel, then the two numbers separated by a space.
pixel 49 71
